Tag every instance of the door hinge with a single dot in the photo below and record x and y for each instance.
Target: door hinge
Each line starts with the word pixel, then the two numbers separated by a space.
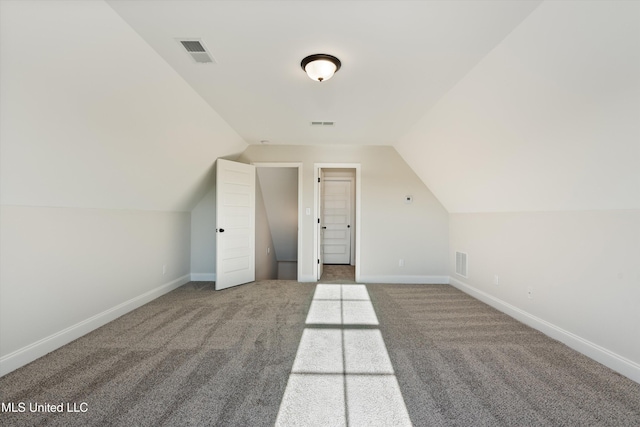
pixel 318 220
pixel 318 261
pixel 318 179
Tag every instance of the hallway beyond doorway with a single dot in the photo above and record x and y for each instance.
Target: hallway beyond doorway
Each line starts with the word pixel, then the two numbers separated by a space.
pixel 334 273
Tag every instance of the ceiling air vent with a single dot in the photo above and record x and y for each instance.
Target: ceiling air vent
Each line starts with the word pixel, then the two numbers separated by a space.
pixel 461 264
pixel 197 50
pixel 322 123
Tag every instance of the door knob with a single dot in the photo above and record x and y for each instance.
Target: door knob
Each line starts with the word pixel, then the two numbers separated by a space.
pixel 222 230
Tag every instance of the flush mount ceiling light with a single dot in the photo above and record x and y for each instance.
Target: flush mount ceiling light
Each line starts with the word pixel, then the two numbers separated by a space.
pixel 320 67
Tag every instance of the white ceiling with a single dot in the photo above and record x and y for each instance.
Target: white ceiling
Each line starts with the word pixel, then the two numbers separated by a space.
pixel 398 59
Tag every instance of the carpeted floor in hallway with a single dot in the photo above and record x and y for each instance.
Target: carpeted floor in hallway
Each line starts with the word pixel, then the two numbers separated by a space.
pixel 338 273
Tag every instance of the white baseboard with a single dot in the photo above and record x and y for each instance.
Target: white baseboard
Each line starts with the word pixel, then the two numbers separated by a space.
pixel 307 278
pixel 408 279
pixel 31 352
pixel 203 277
pixel 600 354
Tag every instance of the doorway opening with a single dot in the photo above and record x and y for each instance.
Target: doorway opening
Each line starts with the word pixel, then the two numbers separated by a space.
pixel 278 215
pixel 337 207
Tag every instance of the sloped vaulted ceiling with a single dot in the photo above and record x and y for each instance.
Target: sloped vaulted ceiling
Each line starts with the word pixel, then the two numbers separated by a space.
pixel 497 106
pixel 549 120
pixel 92 117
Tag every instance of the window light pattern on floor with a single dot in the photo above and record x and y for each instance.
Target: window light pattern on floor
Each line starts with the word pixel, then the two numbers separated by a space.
pixel 342 374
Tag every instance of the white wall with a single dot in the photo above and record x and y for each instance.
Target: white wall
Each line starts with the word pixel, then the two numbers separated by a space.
pixel 67 271
pixel 390 229
pixel 582 268
pixel 203 238
pixel 266 259
pixel 535 153
pixel 280 190
pixel 104 150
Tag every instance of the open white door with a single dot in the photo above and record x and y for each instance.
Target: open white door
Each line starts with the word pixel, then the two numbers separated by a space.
pixel 235 223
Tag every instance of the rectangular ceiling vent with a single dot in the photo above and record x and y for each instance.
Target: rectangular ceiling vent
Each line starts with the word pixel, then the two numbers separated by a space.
pixel 461 264
pixel 197 50
pixel 322 123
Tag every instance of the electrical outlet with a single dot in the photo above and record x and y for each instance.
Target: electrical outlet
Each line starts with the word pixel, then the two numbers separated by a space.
pixel 164 269
pixel 496 280
pixel 530 292
pixel 268 251
pixel 401 263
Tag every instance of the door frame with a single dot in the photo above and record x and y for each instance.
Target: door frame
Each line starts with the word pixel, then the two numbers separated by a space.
pixel 297 165
pixel 317 169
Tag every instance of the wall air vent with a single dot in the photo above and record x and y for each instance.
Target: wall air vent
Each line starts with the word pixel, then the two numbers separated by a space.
pixel 322 123
pixel 197 50
pixel 461 264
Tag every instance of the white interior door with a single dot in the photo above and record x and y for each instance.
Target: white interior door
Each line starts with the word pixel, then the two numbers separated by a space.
pixel 336 218
pixel 235 223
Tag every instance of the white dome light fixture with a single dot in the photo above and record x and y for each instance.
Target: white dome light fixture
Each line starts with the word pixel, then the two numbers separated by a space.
pixel 320 67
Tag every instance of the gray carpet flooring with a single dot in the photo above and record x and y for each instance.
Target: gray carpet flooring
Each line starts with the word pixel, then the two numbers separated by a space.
pixel 200 357
pixel 459 362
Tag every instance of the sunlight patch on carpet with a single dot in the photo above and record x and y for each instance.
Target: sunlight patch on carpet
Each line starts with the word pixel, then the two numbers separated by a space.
pixel 342 374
